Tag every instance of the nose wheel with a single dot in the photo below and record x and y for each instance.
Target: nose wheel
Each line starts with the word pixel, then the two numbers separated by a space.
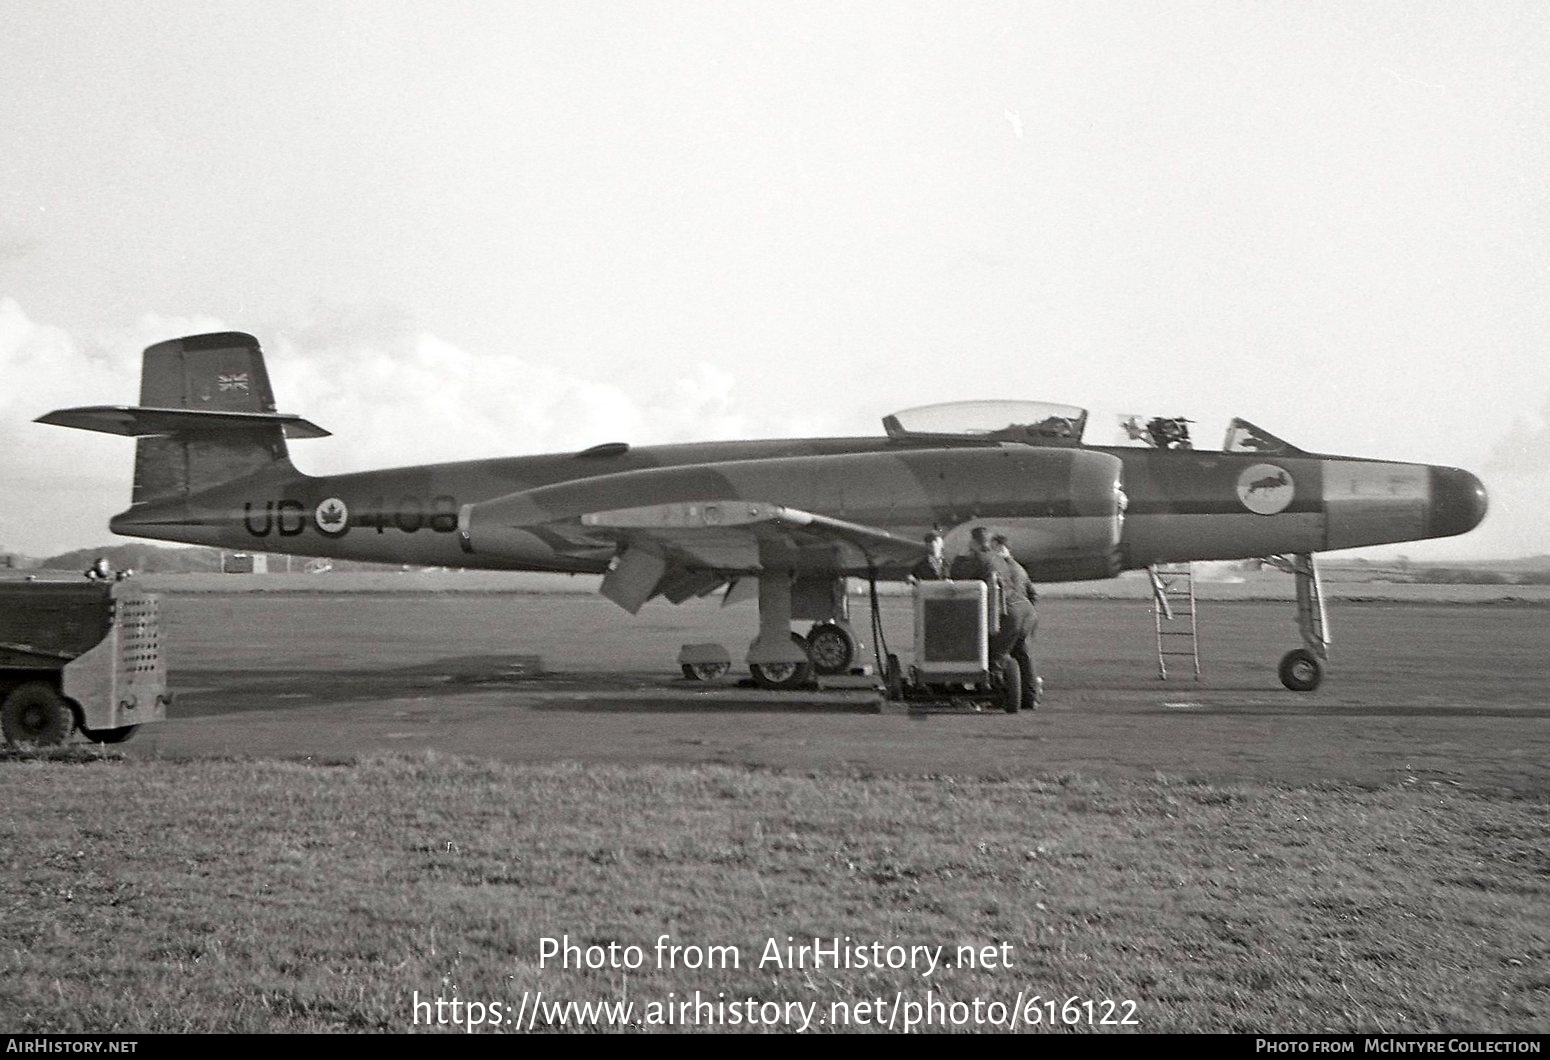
pixel 1302 669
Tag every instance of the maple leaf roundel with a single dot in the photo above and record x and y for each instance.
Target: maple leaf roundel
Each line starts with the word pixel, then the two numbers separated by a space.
pixel 332 517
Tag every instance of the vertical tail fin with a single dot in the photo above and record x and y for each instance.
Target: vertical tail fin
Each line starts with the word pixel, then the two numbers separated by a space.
pixel 222 372
pixel 206 416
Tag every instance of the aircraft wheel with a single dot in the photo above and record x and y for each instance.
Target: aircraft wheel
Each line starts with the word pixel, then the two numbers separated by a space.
pixel 783 677
pixel 832 647
pixel 35 714
pixel 705 671
pixel 1011 686
pixel 1301 670
pixel 118 735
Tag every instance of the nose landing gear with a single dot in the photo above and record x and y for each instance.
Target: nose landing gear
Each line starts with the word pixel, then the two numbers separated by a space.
pixel 1302 669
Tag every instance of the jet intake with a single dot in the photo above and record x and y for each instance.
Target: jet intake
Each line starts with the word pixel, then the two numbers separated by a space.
pixel 1082 542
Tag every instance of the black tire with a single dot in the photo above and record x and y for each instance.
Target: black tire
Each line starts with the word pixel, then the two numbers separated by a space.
pixel 832 647
pixel 705 671
pixel 1011 686
pixel 783 677
pixel 118 735
pixel 36 714
pixel 1301 670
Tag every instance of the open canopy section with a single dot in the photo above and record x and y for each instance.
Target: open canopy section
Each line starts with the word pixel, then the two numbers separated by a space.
pixel 1173 432
pixel 1035 422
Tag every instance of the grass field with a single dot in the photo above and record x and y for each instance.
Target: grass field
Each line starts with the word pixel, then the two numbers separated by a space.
pixel 1225 854
pixel 1213 582
pixel 214 895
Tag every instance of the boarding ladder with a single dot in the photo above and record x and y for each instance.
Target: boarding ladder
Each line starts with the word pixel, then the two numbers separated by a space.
pixel 1173 606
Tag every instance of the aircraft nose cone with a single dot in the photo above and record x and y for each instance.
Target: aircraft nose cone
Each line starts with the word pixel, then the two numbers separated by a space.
pixel 1458 502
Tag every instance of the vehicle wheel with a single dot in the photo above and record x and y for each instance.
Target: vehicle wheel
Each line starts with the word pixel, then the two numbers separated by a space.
pixel 783 677
pixel 34 713
pixel 1301 670
pixel 832 647
pixel 705 671
pixel 893 680
pixel 118 735
pixel 1011 686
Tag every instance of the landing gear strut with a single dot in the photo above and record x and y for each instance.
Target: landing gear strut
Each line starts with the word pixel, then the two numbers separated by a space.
pixel 1302 669
pixel 780 659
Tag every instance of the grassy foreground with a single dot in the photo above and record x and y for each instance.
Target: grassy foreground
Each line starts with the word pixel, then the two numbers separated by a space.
pixel 270 896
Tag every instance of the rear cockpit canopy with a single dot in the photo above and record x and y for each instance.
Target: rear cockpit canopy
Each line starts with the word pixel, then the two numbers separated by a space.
pixel 1172 432
pixel 1032 422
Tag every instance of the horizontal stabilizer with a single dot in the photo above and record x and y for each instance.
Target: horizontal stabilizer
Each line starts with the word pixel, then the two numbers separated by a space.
pixel 136 422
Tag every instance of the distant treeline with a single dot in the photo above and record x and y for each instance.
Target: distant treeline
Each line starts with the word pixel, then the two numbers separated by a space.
pixel 161 559
pixel 1474 576
pixel 143 559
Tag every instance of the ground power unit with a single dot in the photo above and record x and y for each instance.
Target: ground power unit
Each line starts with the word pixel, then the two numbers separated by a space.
pixel 954 621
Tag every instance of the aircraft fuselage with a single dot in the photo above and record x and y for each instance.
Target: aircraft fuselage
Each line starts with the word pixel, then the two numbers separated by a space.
pixel 1053 502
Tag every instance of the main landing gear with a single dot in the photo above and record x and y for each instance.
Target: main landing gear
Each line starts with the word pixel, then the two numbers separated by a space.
pixel 1302 669
pixel 780 659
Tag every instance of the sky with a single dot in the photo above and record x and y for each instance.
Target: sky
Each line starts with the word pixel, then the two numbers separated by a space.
pixel 477 229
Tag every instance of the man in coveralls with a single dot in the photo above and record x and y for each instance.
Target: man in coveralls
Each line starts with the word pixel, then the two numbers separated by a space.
pixel 983 563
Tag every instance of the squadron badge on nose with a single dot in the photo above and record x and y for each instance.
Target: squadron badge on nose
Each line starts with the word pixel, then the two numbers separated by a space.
pixel 1265 489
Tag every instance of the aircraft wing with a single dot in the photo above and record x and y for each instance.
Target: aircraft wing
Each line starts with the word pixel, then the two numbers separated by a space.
pixel 692 548
pixel 682 549
pixel 739 535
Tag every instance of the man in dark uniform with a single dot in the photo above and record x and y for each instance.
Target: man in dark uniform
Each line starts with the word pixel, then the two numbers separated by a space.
pixel 1011 640
pixel 933 567
pixel 974 564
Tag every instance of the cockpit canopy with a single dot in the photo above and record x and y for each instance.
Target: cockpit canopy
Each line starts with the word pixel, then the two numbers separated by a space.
pixel 1033 422
pixel 1046 423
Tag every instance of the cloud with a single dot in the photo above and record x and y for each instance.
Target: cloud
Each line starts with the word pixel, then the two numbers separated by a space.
pixel 1524 451
pixel 416 398
pixel 16 248
pixel 392 395
pixel 1517 478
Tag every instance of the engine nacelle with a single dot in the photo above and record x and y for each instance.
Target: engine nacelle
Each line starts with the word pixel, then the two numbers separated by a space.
pixel 1069 507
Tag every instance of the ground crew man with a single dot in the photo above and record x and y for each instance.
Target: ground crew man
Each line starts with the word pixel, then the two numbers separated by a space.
pixel 974 564
pixel 932 567
pixel 1011 640
pixel 1033 684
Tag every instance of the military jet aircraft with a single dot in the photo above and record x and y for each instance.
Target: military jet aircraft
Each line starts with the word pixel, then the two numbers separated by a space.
pixel 786 521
